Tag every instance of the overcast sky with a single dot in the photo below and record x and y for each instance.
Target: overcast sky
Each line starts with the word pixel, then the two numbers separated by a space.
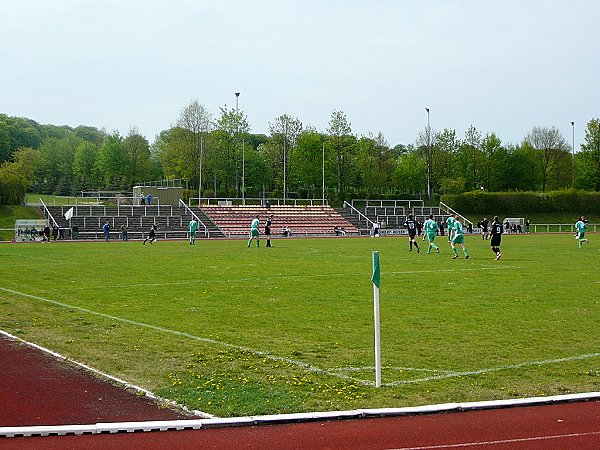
pixel 501 66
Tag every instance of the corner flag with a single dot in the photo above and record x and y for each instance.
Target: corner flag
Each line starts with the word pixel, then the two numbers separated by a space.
pixel 376 278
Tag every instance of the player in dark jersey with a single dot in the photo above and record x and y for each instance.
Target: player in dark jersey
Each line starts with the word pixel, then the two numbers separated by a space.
pixel 411 224
pixel 496 237
pixel 484 229
pixel 268 230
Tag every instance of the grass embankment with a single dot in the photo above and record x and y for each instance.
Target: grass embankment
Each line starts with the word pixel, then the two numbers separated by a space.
pixel 8 215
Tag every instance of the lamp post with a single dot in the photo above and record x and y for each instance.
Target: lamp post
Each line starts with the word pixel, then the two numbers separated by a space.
pixel 573 150
pixel 323 173
pixel 237 98
pixel 428 156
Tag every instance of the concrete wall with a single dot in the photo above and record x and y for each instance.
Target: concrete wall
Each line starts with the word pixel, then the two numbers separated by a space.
pixel 160 195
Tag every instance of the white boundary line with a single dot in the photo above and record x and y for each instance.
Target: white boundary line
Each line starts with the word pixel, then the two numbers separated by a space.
pixel 259 353
pixel 120 381
pixel 335 372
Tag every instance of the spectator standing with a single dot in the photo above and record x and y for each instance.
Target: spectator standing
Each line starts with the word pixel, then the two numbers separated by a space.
pixel 124 236
pixel 54 232
pixel 142 199
pixel 149 198
pixel 106 230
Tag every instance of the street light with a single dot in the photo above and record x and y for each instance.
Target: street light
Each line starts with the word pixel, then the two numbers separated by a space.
pixel 573 150
pixel 428 156
pixel 237 97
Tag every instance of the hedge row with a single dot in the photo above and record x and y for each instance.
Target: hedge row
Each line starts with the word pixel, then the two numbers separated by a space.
pixel 569 201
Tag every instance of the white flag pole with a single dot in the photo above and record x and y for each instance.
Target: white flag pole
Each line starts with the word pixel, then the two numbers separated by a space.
pixel 376 282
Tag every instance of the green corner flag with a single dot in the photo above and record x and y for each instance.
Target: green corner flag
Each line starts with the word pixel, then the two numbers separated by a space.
pixel 376 278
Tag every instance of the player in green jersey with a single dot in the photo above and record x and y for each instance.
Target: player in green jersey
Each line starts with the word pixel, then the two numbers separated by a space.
pixel 193 226
pixel 450 223
pixel 431 228
pixel 254 232
pixel 581 227
pixel 459 238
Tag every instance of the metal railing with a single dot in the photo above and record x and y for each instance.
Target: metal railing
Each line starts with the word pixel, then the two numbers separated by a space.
pixel 47 213
pixel 187 208
pixel 360 214
pixel 449 210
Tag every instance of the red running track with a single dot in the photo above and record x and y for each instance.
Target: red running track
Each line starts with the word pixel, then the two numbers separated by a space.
pixel 36 389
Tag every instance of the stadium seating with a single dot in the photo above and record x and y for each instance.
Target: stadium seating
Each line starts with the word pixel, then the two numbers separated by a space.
pixel 301 220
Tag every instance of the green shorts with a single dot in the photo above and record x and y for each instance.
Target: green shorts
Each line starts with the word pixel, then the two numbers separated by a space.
pixel 458 239
pixel 254 232
pixel 581 235
pixel 430 237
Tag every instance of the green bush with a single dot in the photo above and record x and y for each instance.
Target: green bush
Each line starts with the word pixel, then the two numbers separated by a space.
pixel 570 201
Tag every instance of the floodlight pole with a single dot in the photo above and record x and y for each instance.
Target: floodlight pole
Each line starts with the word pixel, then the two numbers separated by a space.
pixel 323 173
pixel 573 150
pixel 429 155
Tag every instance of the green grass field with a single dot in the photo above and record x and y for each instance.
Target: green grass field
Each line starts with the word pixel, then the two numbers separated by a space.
pixel 235 331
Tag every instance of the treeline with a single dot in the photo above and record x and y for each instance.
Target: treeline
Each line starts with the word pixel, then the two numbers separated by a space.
pixel 227 160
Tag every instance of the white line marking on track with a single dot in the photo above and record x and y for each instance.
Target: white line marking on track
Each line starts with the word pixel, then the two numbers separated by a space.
pixel 259 353
pixel 501 441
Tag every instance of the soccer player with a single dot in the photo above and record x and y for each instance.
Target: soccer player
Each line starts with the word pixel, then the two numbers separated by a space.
pixel 431 227
pixel 193 226
pixel 484 228
pixel 450 223
pixel 581 227
pixel 411 224
pixel 268 230
pixel 254 232
pixel 496 237
pixel 459 238
pixel 151 235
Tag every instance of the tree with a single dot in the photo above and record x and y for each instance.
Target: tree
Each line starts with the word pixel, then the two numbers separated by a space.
pixel 113 163
pixel 342 143
pixel 308 162
pixel 85 176
pixel 17 175
pixel 138 149
pixel 195 122
pixel 588 160
pixel 231 128
pixel 376 163
pixel 551 149
pixel 284 131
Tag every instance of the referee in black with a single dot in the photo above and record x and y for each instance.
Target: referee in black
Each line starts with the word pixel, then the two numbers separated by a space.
pixel 496 237
pixel 268 230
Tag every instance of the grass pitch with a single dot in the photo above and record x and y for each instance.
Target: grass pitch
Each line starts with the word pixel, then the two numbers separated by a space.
pixel 232 330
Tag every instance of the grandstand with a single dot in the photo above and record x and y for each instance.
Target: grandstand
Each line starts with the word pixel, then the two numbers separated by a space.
pixel 234 220
pixel 215 221
pixel 228 220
